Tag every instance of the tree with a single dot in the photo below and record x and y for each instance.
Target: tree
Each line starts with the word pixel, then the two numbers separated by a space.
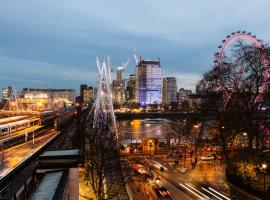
pixel 101 162
pixel 239 83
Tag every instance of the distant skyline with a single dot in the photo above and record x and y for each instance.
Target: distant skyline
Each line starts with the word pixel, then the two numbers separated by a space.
pixel 54 43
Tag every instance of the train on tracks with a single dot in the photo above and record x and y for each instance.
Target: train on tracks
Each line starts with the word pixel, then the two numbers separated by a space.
pixel 18 125
pixel 57 118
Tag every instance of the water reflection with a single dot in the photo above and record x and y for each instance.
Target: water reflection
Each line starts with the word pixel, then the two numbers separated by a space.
pixel 139 129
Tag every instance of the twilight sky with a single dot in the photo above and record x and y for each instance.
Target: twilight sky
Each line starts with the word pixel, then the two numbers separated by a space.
pixel 53 43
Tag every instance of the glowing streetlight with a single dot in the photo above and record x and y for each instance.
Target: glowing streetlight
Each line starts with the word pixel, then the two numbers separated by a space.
pixel 150 146
pixel 264 167
pixel 196 126
pixel 158 180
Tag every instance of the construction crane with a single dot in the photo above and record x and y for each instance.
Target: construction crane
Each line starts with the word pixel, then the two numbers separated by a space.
pixel 135 56
pixel 110 69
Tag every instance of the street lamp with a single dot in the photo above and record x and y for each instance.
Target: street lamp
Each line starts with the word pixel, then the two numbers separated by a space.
pixel 33 128
pixel 264 167
pixel 245 140
pixel 196 126
pixel 150 145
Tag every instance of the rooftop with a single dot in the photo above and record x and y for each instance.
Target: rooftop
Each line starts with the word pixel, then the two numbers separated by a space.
pixel 47 186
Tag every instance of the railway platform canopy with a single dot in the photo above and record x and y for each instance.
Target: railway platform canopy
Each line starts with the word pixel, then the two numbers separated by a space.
pixel 48 186
pixel 60 159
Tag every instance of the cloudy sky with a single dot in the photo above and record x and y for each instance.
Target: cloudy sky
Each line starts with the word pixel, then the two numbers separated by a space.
pixel 54 43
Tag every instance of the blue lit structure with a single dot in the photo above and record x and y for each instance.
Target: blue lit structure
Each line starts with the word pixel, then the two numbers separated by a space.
pixel 148 83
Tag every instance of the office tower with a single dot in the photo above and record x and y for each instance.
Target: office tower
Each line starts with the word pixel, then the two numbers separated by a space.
pixel 148 83
pixel 169 90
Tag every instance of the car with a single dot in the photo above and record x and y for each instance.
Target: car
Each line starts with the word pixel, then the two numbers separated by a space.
pixel 219 156
pixel 162 191
pixel 207 157
pixel 138 168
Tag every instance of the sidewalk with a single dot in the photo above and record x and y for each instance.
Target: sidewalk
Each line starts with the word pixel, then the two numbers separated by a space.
pixel 142 191
pixel 84 187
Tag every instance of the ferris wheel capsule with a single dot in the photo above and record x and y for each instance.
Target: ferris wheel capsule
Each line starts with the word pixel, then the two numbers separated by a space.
pixel 217 53
pixel 254 36
pixel 219 46
pixel 228 36
pixel 232 33
pixel 243 31
pixel 249 33
pixel 238 32
pixel 223 41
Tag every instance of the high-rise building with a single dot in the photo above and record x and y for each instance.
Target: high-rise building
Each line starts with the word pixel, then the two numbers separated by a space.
pixel 82 88
pixel 118 87
pixel 130 89
pixel 86 94
pixel 148 83
pixel 6 92
pixel 183 95
pixel 119 73
pixel 169 90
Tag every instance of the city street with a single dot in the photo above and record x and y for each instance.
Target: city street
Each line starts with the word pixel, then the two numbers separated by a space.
pixel 205 181
pixel 138 100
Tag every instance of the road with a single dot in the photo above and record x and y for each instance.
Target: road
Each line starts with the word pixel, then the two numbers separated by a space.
pixel 13 156
pixel 205 181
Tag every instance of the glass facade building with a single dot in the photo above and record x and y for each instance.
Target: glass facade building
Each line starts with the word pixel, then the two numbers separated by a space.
pixel 148 83
pixel 169 91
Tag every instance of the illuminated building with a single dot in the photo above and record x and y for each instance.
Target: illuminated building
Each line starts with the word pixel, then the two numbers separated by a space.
pixel 6 93
pixel 130 89
pixel 86 94
pixel 51 98
pixel 68 94
pixel 183 95
pixel 118 87
pixel 82 88
pixel 169 90
pixel 148 83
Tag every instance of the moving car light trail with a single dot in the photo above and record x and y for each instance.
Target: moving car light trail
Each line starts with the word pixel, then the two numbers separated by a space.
pixel 201 195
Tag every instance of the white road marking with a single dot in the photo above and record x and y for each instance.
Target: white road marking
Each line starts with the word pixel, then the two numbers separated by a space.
pixel 197 191
pixel 191 191
pixel 219 193
pixel 212 193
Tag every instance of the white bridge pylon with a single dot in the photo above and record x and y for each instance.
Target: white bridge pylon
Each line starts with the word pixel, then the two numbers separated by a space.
pixel 102 110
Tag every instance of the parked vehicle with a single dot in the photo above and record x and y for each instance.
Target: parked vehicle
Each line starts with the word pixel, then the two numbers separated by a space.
pixel 207 157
